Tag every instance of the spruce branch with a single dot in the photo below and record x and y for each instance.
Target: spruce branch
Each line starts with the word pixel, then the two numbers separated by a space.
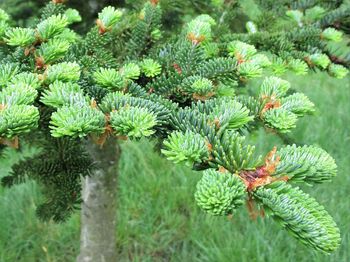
pixel 20 36
pixel 135 122
pixel 188 87
pixel 188 147
pixel 219 193
pixel 306 164
pixel 315 227
pixel 76 121
pixel 51 27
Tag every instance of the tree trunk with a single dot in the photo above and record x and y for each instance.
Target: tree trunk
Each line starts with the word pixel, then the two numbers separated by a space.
pixel 98 214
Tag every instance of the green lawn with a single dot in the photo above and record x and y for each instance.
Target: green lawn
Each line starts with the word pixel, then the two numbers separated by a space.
pixel 157 216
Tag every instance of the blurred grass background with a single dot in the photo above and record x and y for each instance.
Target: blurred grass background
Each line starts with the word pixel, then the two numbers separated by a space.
pixel 158 219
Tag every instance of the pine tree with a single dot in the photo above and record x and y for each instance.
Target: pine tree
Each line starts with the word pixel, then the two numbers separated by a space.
pixel 184 86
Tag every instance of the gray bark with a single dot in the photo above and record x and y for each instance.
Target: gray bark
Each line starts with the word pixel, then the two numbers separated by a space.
pixel 98 214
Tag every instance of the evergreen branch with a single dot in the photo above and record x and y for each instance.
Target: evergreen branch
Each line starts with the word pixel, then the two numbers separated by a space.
pixel 301 215
pixel 306 164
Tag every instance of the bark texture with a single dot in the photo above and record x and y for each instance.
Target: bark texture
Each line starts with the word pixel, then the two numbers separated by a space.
pixel 98 214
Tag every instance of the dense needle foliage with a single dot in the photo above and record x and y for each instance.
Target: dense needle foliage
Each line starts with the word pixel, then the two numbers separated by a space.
pixel 185 84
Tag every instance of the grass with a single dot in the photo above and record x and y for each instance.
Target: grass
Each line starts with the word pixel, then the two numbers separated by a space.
pixel 157 216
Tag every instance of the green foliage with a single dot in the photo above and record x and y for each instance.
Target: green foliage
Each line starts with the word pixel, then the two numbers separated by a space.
pixel 298 66
pixel 117 100
pixel 76 121
pixel 277 110
pixel 64 94
pixel 280 119
pixel 130 71
pixel 186 147
pixel 109 78
pixel 4 16
pixel 198 86
pixel 230 114
pixel 17 120
pixel 188 87
pixel 233 154
pixel 7 71
pixel 219 193
pixel 18 94
pixel 315 227
pixel 28 79
pixel 51 27
pixel 274 86
pixel 72 16
pixel 298 104
pixel 65 72
pixel 20 36
pixel 249 70
pixel 149 174
pixel 52 51
pixel 135 122
pixel 150 67
pixel 320 60
pixel 338 71
pixel 332 35
pixel 240 50
pixel 296 16
pixel 141 37
pixel 199 29
pixel 306 164
pixel 109 16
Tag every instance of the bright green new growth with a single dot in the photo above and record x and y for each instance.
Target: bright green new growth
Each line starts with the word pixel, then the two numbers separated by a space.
pixel 274 86
pixel 132 77
pixel 249 70
pixel 281 119
pixel 64 94
pixel 278 66
pixel 296 15
pixel 20 36
pixel 229 114
pixel 109 16
pixel 7 72
pixel 28 79
pixel 51 27
pixel 298 104
pixel 261 60
pixel 320 60
pixel 4 16
pixel 337 71
pixel 135 122
pixel 315 13
pixel 53 50
pixel 72 15
pixel 77 121
pixel 65 72
pixel 19 119
pixel 219 193
pixel 150 67
pixel 199 29
pixel 130 71
pixel 18 94
pixel 109 78
pixel 298 66
pixel 186 147
pixel 279 111
pixel 240 50
pixel 332 34
pixel 198 86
